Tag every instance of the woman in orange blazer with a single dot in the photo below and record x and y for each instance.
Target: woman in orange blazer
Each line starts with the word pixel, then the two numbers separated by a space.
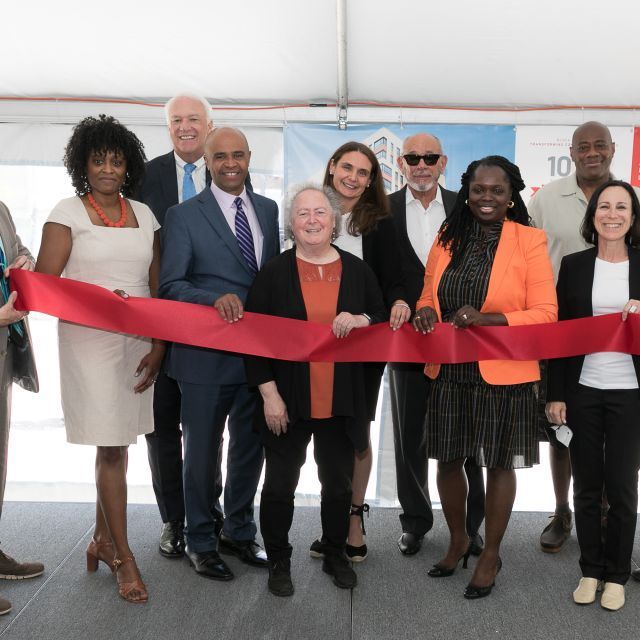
pixel 488 268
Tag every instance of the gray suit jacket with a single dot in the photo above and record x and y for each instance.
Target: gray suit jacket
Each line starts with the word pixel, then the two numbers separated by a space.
pixel 201 261
pixel 24 365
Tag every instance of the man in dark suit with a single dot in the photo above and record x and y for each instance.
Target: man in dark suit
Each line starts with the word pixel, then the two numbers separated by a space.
pixel 418 211
pixel 213 246
pixel 168 181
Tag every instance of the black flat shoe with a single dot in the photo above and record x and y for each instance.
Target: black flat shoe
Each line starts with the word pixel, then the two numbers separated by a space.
pixel 439 571
pixel 473 592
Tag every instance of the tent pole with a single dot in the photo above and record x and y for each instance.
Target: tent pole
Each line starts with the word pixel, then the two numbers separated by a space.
pixel 343 87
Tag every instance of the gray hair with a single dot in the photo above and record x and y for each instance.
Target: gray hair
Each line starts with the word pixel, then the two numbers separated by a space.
pixel 192 96
pixel 328 193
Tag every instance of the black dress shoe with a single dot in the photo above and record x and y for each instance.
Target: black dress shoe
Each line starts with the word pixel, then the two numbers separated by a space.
pixel 409 543
pixel 476 544
pixel 209 564
pixel 172 539
pixel 249 551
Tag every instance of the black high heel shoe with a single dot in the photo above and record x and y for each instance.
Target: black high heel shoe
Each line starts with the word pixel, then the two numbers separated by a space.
pixel 438 571
pixel 358 554
pixel 472 592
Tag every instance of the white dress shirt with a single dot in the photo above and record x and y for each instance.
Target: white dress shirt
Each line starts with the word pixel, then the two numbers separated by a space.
pixel 226 202
pixel 423 224
pixel 199 174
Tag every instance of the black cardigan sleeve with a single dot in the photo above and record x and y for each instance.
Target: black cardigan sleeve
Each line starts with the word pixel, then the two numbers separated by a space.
pixel 260 370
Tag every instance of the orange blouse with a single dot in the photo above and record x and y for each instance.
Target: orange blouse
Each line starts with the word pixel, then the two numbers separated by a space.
pixel 320 284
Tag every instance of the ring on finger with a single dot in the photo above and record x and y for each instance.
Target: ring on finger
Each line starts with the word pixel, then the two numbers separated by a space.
pixel 464 316
pixel 633 308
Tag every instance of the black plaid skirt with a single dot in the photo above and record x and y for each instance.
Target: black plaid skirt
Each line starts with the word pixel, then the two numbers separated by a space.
pixel 495 424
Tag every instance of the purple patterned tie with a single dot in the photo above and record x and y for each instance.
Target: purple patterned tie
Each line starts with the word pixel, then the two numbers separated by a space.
pixel 243 234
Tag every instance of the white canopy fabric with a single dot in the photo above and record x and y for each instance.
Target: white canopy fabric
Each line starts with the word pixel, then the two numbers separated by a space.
pixel 502 53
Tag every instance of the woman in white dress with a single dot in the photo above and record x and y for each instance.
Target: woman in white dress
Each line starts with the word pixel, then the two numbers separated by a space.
pixel 106 378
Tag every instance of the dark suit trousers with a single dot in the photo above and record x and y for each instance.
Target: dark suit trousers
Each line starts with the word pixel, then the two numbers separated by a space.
pixel 205 409
pixel 605 453
pixel 409 388
pixel 285 455
pixel 164 449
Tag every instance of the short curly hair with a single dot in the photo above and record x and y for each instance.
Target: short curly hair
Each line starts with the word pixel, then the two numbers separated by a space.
pixel 103 134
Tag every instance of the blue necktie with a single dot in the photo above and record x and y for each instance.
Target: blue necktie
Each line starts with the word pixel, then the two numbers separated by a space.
pixel 16 329
pixel 188 186
pixel 245 239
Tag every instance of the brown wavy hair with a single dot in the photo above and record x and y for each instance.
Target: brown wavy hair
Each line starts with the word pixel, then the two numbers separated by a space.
pixel 373 204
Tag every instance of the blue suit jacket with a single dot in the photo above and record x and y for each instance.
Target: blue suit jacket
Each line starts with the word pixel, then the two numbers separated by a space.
pixel 201 261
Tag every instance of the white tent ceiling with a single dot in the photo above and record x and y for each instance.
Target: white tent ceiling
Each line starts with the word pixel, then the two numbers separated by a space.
pixel 500 53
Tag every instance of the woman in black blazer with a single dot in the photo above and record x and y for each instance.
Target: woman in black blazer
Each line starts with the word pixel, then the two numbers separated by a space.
pixel 353 173
pixel 598 396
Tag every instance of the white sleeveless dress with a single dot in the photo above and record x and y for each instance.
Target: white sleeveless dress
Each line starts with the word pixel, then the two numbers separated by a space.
pixel 97 367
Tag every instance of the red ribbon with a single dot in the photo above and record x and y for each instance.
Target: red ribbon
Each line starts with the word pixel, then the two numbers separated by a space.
pixel 287 339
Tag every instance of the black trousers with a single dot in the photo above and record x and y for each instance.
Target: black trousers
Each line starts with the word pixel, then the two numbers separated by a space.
pixel 409 389
pixel 164 449
pixel 285 455
pixel 605 455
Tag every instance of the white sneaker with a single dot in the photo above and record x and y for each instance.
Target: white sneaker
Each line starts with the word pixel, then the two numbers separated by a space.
pixel 586 591
pixel 612 596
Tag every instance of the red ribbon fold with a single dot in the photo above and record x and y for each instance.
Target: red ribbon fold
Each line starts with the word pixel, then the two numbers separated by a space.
pixel 287 339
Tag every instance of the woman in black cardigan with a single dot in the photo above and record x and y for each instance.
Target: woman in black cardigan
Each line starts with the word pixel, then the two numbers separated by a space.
pixel 312 281
pixel 598 395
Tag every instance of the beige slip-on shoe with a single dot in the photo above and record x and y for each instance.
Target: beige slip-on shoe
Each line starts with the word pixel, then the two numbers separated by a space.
pixel 612 596
pixel 586 591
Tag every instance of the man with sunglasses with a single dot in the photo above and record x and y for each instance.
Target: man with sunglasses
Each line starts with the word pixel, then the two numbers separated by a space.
pixel 418 210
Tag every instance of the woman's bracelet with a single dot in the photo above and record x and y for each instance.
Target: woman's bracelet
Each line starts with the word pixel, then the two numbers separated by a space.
pixel 402 304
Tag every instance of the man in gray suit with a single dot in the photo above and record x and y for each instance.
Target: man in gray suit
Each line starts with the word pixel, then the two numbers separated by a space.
pixel 14 335
pixel 213 246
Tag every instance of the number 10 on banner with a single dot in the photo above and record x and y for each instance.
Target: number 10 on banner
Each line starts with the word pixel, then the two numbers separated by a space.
pixel 559 166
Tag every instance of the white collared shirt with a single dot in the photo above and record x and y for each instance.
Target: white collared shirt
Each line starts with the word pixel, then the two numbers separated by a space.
pixel 423 224
pixel 226 202
pixel 199 174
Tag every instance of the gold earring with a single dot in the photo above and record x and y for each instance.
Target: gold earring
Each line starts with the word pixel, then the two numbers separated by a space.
pixel 466 202
pixel 511 204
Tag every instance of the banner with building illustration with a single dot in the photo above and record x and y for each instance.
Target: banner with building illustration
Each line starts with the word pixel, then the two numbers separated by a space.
pixel 308 147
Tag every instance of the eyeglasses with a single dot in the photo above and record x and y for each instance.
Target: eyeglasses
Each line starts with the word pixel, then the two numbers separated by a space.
pixel 412 159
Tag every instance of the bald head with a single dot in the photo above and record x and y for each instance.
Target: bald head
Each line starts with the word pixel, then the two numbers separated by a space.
pixel 422 178
pixel 226 152
pixel 592 151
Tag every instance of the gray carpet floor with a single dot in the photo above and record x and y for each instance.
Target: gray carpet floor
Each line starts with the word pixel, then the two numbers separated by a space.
pixel 394 599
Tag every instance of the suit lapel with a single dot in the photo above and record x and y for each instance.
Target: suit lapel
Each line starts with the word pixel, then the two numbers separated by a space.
pixel 401 212
pixel 583 281
pixel 213 214
pixel 506 247
pixel 169 180
pixel 265 227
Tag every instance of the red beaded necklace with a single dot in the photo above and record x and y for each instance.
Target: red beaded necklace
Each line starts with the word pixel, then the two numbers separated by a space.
pixel 103 217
